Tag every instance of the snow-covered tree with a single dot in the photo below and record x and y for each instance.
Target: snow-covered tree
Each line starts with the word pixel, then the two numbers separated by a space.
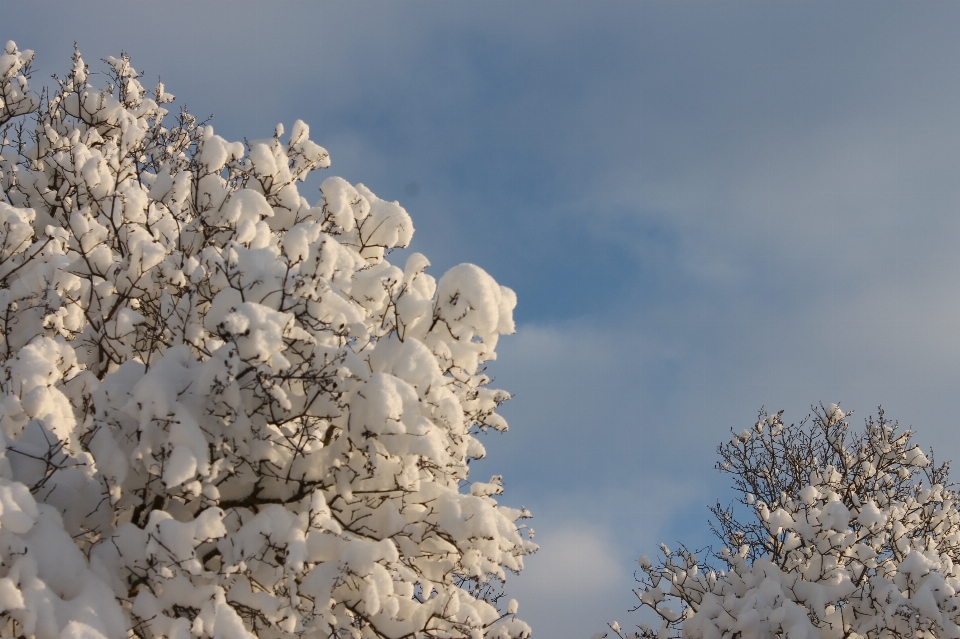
pixel 837 534
pixel 223 412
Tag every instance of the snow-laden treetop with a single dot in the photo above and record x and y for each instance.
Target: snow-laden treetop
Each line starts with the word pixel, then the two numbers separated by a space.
pixel 838 534
pixel 223 412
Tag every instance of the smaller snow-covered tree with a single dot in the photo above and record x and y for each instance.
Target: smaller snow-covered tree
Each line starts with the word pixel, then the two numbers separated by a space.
pixel 223 412
pixel 849 534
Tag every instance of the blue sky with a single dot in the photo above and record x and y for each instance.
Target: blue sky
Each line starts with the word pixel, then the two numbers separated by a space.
pixel 703 207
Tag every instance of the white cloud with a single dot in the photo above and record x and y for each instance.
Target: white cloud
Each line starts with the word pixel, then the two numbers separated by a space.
pixel 576 560
pixel 572 586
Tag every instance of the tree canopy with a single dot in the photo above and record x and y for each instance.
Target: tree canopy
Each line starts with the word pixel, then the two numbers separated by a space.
pixel 836 533
pixel 223 412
